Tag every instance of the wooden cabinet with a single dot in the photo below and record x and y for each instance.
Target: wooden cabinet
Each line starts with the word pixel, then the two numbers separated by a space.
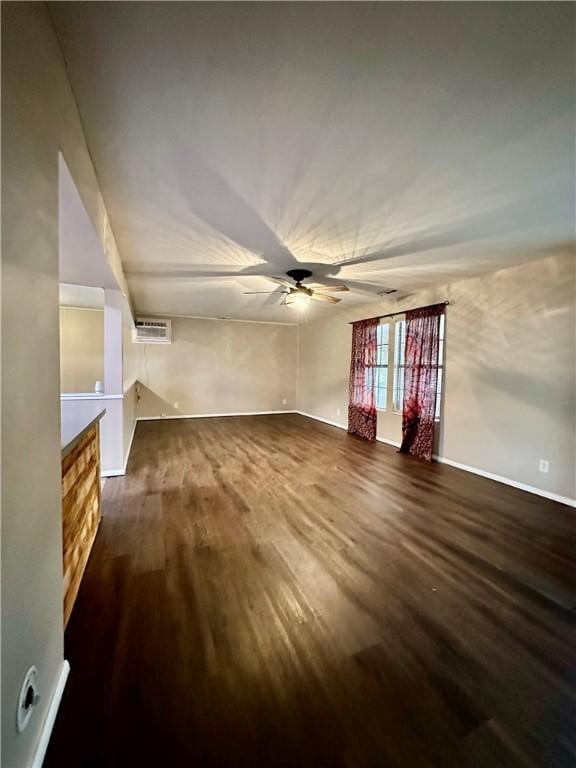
pixel 81 509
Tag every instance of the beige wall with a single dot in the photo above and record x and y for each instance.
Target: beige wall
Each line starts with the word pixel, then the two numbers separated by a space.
pixel 81 349
pixel 128 420
pixel 129 350
pixel 129 377
pixel 509 396
pixel 39 119
pixel 215 366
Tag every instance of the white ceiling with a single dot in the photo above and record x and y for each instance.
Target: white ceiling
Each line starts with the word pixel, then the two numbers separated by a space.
pixel 387 144
pixel 82 260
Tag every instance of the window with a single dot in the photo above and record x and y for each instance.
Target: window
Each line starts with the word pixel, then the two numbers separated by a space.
pixel 440 368
pixel 377 376
pixel 399 339
pixel 381 378
pixel 398 389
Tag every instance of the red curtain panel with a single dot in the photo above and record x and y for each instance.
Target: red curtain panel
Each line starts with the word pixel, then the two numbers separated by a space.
pixel 420 380
pixel 362 404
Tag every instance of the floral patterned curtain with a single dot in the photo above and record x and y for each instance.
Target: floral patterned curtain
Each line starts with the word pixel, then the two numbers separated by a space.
pixel 420 380
pixel 362 405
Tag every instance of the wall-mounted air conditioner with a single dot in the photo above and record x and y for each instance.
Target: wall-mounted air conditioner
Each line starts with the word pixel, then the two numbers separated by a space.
pixel 149 330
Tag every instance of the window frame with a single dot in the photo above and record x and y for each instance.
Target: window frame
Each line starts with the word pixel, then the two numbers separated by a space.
pixel 400 365
pixel 440 368
pixel 382 365
pixel 394 357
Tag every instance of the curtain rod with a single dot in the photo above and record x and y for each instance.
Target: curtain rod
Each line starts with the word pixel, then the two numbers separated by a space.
pixel 401 312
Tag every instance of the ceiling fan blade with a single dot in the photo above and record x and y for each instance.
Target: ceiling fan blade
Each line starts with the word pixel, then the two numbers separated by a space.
pixel 183 274
pixel 282 281
pixel 330 299
pixel 331 288
pixel 364 286
pixel 251 293
pixel 272 299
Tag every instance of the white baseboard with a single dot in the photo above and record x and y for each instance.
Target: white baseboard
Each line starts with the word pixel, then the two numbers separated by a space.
pixel 130 445
pixel 343 426
pixel 324 421
pixel 489 475
pixel 49 720
pixel 507 481
pixel 210 415
pixel 394 443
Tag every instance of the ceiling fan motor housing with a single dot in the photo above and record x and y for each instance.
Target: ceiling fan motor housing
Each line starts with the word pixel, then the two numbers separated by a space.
pixel 299 274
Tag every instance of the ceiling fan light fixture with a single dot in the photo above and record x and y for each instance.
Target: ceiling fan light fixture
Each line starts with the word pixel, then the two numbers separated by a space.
pixel 297 299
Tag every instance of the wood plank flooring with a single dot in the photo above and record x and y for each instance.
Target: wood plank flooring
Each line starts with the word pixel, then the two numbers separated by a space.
pixel 268 591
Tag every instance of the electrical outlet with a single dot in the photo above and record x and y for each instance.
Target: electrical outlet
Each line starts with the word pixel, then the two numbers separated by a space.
pixel 284 401
pixel 176 404
pixel 544 466
pixel 163 415
pixel 337 411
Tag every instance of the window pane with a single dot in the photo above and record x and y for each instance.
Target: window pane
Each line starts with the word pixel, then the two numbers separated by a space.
pixel 381 372
pixel 399 337
pixel 438 394
pixel 441 341
pixel 382 378
pixel 399 390
pixel 440 367
pixel 399 342
pixel 382 333
pixel 369 378
pixel 382 355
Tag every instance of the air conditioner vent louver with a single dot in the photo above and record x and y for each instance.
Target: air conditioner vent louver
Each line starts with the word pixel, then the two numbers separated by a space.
pixel 152 331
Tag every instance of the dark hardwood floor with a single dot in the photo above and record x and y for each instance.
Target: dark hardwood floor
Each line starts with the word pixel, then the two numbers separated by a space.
pixel 268 591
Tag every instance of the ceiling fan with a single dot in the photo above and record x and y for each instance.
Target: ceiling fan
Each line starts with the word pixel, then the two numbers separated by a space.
pixel 301 295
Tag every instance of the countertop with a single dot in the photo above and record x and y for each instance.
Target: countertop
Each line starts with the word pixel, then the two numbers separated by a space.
pixel 73 427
